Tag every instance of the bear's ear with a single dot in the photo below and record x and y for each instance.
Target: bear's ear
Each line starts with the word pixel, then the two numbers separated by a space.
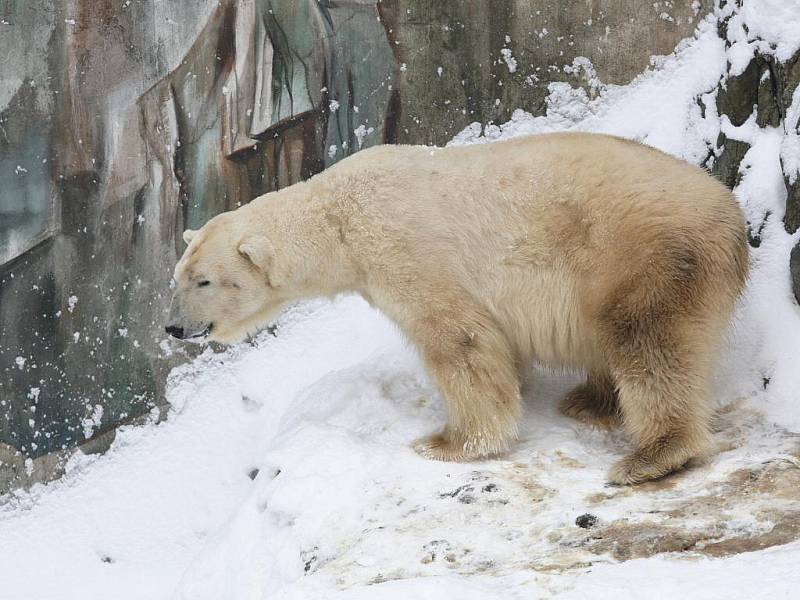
pixel 188 235
pixel 260 252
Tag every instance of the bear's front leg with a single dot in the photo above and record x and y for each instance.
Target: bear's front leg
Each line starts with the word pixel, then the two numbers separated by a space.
pixel 473 364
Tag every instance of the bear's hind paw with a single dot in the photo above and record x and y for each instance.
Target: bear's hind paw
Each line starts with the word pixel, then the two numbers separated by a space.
pixel 637 468
pixel 582 404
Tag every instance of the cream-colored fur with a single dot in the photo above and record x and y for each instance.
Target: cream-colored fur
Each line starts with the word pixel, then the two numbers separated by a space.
pixel 576 250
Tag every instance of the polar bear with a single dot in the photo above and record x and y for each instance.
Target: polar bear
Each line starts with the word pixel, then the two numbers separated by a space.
pixel 579 251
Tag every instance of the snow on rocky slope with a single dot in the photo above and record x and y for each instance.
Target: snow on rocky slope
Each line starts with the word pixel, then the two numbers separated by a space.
pixel 285 471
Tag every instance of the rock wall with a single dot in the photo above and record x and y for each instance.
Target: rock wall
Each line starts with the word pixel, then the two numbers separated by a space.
pixel 122 123
pixel 762 89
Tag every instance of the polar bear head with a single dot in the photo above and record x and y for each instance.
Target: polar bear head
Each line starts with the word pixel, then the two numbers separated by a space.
pixel 223 291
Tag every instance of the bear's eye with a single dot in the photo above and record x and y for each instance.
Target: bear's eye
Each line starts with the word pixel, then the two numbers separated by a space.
pixel 204 283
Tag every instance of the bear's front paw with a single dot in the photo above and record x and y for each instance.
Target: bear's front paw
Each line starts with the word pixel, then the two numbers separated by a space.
pixel 457 448
pixel 439 447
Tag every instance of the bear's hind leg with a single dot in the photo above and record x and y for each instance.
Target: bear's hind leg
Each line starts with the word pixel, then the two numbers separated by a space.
pixel 474 367
pixel 664 403
pixel 594 402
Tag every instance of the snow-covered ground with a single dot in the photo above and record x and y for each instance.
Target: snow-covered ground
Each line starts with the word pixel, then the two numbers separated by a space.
pixel 285 470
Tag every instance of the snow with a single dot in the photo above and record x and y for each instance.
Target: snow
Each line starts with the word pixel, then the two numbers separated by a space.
pixel 285 470
pixel 509 59
pixel 361 132
pixel 93 421
pixel 776 22
pixel 790 149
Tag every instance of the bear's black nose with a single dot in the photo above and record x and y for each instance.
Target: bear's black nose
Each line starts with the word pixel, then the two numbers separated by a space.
pixel 175 331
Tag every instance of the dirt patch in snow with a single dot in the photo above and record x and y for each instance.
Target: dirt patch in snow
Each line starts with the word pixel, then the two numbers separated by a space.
pixel 773 490
pixel 747 509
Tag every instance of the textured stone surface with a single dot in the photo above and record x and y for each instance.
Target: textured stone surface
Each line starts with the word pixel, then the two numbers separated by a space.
pixel 455 72
pixel 770 107
pixel 792 218
pixel 726 166
pixel 794 269
pixel 739 96
pixel 789 77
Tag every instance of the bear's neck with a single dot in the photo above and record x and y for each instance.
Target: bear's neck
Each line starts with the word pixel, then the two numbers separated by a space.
pixel 312 232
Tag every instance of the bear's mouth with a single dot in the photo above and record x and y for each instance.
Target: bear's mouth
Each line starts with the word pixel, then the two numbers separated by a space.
pixel 201 335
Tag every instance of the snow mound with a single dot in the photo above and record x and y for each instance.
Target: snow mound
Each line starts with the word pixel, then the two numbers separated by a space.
pixel 342 503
